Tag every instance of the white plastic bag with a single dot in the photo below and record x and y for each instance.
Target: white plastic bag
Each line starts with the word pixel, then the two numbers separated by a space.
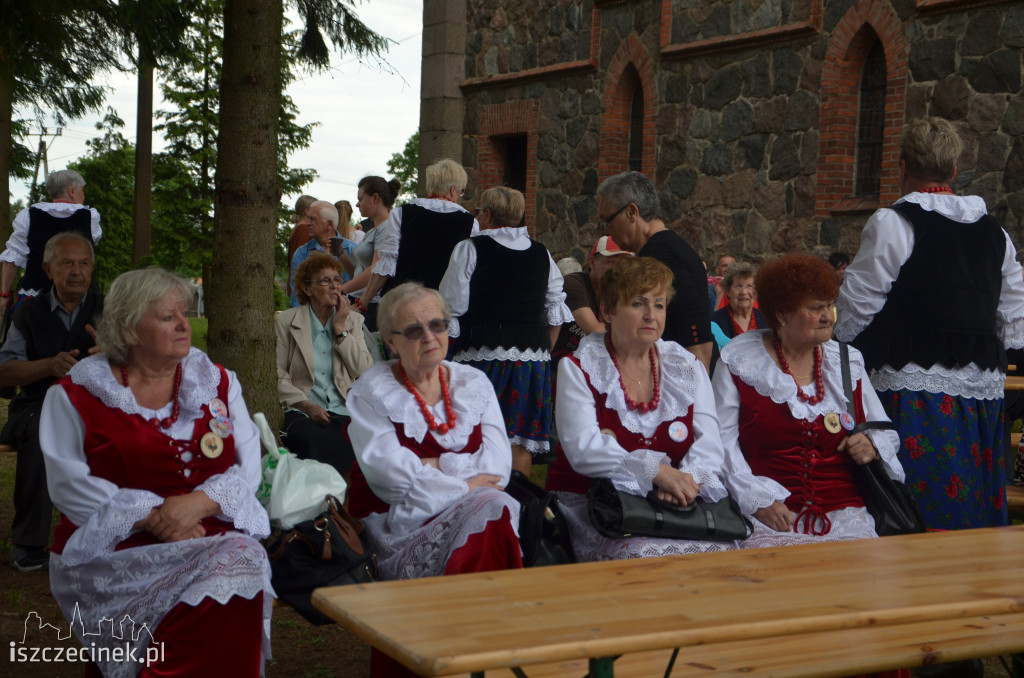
pixel 293 489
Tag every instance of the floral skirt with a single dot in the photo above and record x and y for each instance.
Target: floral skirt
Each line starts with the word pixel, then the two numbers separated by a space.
pixel 952 452
pixel 523 388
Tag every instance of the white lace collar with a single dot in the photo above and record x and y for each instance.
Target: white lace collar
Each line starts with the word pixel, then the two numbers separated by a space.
pixel 509 235
pixel 438 205
pixel 678 381
pixel 199 380
pixel 747 358
pixel 470 391
pixel 966 209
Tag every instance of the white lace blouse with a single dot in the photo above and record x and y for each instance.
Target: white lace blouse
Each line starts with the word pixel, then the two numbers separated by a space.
pixel 379 403
pixel 104 512
pixel 684 383
pixel 886 243
pixel 747 358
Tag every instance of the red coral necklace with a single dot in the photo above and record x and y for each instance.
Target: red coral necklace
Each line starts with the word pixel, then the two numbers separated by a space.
pixel 427 414
pixel 819 384
pixel 166 422
pixel 652 404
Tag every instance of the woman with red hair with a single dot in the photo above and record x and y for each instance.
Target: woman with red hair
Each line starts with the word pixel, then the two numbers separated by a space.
pixel 781 402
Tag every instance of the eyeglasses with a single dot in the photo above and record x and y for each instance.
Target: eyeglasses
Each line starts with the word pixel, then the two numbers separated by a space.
pixel 415 332
pixel 603 223
pixel 327 282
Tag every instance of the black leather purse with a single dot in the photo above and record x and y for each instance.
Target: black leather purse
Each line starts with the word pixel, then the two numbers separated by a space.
pixel 890 503
pixel 543 531
pixel 331 550
pixel 616 514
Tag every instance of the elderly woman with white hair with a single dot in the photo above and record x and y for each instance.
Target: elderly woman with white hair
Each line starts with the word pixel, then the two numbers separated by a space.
pixel 421 234
pixel 933 299
pixel 61 212
pixel 507 302
pixel 153 461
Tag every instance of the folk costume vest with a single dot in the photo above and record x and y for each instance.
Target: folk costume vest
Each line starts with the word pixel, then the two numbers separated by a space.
pixel 941 309
pixel 428 239
pixel 130 452
pixel 562 477
pixel 506 298
pixel 800 455
pixel 42 227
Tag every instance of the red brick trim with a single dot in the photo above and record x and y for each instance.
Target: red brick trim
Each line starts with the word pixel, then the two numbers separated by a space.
pixel 503 120
pixel 840 95
pixel 932 7
pixel 725 43
pixel 631 65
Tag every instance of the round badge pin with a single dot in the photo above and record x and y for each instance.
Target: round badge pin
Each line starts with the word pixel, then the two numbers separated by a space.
pixel 610 433
pixel 846 419
pixel 211 445
pixel 221 427
pixel 677 431
pixel 218 409
pixel 832 422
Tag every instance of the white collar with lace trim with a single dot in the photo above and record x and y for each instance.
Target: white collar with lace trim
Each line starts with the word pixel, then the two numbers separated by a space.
pixel 199 380
pixel 438 205
pixel 966 209
pixel 507 234
pixel 747 358
pixel 470 391
pixel 678 382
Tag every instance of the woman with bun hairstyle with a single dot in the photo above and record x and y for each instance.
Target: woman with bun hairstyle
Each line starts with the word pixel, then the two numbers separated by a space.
pixel 375 198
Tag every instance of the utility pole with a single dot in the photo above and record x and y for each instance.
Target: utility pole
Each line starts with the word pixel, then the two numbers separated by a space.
pixel 36 191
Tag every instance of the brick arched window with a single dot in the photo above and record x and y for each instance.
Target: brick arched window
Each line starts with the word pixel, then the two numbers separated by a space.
pixel 869 25
pixel 871 125
pixel 630 110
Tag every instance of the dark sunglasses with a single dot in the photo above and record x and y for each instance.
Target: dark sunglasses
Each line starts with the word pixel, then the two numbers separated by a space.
pixel 415 332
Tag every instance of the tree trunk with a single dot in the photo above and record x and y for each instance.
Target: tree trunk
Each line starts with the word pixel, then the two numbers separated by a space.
pixel 6 149
pixel 240 303
pixel 143 160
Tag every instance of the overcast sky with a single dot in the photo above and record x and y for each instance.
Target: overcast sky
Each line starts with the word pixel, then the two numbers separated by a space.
pixel 366 112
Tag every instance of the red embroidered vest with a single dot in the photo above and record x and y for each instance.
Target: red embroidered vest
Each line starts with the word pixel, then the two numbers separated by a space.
pixel 133 454
pixel 800 455
pixel 562 477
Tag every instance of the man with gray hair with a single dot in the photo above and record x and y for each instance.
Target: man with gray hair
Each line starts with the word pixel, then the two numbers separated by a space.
pixel 63 211
pixel 323 225
pixel 51 332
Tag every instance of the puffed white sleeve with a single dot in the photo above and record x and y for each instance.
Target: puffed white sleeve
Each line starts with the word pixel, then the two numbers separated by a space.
pixel 454 285
pixel 1010 312
pixel 558 312
pixel 589 451
pixel 885 245
pixel 495 453
pixel 886 442
pixel 751 492
pixel 235 489
pixel 16 250
pixel 387 247
pixel 705 460
pixel 415 491
pixel 95 229
pixel 104 513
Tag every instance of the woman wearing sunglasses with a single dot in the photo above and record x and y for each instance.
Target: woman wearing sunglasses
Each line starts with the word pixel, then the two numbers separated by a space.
pixel 506 294
pixel 432 451
pixel 320 352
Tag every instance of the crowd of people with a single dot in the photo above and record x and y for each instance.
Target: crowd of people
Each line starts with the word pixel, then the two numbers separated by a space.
pixel 432 350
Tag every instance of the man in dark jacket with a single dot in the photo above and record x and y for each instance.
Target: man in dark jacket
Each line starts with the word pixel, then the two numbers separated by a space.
pixel 51 332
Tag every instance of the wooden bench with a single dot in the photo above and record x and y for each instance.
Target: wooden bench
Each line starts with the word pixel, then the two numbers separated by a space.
pixel 830 653
pixel 8 448
pixel 1015 500
pixel 825 609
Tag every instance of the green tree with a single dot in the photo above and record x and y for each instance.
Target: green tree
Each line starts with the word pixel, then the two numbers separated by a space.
pixel 240 304
pixel 404 166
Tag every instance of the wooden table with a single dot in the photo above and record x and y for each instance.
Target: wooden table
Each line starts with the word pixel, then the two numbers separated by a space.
pixel 1014 384
pixel 470 623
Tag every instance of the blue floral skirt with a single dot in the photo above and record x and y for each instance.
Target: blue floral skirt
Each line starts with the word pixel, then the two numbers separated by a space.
pixel 952 451
pixel 523 388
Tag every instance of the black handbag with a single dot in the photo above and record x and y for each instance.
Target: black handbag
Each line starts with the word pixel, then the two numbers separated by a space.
pixel 543 531
pixel 331 550
pixel 890 502
pixel 618 514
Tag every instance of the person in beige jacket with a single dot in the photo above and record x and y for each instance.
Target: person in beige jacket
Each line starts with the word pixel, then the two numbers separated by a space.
pixel 320 352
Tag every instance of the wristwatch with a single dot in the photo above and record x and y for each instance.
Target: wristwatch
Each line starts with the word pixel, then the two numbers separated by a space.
pixel 341 335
